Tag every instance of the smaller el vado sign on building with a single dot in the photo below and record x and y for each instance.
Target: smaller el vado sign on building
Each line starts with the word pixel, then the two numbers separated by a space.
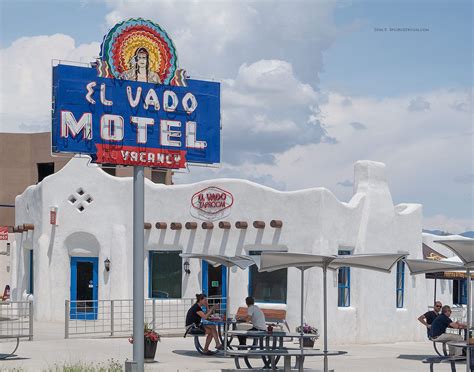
pixel 134 106
pixel 211 204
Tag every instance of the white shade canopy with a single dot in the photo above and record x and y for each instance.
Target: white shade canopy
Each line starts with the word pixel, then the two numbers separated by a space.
pixel 229 261
pixel 270 261
pixel 378 262
pixel 463 248
pixel 428 266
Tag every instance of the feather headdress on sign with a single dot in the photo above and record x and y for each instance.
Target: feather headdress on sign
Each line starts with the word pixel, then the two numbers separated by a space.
pixel 136 41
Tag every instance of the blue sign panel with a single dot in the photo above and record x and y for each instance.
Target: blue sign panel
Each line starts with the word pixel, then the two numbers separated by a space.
pixel 129 122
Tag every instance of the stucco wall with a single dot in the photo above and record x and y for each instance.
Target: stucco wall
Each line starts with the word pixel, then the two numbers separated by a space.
pixel 314 221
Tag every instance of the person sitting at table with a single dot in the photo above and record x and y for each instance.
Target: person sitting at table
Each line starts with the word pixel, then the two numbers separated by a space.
pixel 196 315
pixel 439 326
pixel 427 318
pixel 255 316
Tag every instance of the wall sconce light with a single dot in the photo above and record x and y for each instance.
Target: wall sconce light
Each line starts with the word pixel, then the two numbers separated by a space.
pixel 186 267
pixel 107 264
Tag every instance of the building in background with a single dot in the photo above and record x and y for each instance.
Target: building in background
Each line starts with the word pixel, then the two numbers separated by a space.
pixel 85 253
pixel 25 159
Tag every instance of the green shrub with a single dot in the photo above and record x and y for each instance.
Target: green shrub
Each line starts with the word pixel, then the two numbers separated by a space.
pixel 109 366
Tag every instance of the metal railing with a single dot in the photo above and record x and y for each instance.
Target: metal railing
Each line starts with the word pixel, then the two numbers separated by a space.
pixel 16 319
pixel 115 317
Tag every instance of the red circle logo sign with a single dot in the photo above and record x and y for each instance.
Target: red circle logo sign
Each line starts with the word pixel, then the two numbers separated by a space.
pixel 211 203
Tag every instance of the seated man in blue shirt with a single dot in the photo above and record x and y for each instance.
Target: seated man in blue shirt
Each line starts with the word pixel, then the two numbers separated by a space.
pixel 438 330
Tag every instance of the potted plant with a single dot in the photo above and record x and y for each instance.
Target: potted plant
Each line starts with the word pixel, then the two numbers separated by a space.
pixel 151 340
pixel 308 329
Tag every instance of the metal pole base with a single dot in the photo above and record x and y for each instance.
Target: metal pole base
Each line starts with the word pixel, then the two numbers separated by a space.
pixel 131 366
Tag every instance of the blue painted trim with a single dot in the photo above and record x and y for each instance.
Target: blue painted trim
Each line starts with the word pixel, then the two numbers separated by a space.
pixel 92 315
pixel 341 288
pixel 400 271
pixel 224 288
pixel 150 268
pixel 463 291
pixel 249 284
pixel 205 276
pixel 205 280
pixel 224 282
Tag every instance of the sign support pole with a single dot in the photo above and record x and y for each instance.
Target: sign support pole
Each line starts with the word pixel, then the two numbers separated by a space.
pixel 138 259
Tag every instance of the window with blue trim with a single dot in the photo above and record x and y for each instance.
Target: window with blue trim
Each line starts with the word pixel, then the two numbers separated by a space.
pixel 344 283
pixel 267 287
pixel 165 274
pixel 460 292
pixel 400 292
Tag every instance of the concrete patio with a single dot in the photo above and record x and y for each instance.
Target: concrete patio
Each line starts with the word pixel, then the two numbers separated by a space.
pixel 49 349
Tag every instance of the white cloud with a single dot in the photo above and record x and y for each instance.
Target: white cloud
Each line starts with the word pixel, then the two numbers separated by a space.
pixel 425 152
pixel 447 224
pixel 25 89
pixel 214 38
pixel 267 110
pixel 429 154
pixel 268 83
pixel 418 104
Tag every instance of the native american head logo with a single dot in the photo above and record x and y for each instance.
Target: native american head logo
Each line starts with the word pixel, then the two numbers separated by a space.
pixel 140 50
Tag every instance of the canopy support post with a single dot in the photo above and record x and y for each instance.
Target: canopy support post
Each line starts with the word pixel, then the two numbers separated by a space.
pixel 469 309
pixel 226 326
pixel 302 309
pixel 325 322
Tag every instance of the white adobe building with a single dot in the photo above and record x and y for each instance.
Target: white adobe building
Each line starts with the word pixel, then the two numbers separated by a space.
pixel 94 223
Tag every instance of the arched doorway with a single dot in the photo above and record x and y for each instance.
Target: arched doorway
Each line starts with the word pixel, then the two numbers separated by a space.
pixel 83 249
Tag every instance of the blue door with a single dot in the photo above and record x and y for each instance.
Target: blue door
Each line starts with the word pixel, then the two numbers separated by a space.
pixel 84 288
pixel 214 284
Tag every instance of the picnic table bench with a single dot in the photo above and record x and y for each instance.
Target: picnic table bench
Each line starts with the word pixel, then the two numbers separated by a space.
pixel 5 356
pixel 197 332
pixel 286 353
pixel 444 349
pixel 277 316
pixel 452 360
pixel 269 347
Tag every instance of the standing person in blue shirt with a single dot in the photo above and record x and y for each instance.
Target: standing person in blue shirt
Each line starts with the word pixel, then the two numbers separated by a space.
pixel 427 318
pixel 438 330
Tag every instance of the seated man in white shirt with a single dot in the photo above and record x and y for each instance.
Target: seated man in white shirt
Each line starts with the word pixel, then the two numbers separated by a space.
pixel 254 316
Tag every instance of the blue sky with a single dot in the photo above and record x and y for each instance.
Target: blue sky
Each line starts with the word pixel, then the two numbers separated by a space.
pixel 351 92
pixel 389 63
pixel 363 61
pixel 82 20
